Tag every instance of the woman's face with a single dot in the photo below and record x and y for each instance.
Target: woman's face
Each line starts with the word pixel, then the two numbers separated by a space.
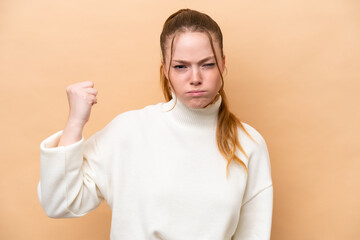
pixel 193 73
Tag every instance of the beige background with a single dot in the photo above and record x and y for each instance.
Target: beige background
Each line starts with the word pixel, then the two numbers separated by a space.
pixel 293 74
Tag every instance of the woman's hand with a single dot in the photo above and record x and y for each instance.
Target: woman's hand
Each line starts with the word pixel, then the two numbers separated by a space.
pixel 81 98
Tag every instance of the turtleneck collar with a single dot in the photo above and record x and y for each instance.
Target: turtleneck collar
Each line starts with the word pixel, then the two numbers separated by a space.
pixel 195 118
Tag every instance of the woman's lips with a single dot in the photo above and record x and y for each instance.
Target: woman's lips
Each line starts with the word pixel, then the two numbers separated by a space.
pixel 196 93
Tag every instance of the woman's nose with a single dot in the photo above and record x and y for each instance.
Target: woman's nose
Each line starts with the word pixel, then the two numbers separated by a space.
pixel 196 77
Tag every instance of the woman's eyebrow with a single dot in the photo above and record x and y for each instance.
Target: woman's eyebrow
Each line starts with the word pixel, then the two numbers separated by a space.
pixel 201 61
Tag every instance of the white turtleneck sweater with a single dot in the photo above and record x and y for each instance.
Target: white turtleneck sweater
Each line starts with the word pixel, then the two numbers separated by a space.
pixel 163 177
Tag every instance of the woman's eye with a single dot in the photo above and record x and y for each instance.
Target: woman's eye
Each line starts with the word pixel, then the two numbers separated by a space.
pixel 209 65
pixel 179 66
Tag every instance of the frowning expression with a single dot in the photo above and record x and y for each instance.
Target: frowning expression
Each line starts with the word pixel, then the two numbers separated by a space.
pixel 194 76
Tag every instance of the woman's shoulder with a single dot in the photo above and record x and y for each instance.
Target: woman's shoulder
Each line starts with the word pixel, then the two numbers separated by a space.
pixel 254 133
pixel 251 139
pixel 128 123
pixel 134 116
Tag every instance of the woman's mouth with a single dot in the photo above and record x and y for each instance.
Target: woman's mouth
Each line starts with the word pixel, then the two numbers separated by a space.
pixel 196 92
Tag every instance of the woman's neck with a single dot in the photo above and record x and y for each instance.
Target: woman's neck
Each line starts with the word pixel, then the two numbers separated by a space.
pixel 193 118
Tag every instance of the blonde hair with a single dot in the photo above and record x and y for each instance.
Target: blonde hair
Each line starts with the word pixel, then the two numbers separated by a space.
pixel 227 126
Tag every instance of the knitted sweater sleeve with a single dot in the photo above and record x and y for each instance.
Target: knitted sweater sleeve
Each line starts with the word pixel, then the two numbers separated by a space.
pixel 70 183
pixel 256 210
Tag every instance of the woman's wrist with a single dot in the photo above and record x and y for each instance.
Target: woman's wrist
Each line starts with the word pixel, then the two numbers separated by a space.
pixel 72 132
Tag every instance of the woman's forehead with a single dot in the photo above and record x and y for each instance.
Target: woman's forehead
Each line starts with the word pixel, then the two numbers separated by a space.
pixel 188 33
pixel 188 43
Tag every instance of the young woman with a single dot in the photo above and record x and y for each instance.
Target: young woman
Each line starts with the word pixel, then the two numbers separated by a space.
pixel 183 169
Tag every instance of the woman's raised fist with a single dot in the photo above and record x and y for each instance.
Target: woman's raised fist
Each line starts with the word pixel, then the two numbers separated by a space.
pixel 81 97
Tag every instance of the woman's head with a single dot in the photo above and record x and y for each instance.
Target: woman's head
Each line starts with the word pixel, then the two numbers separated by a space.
pixel 193 21
pixel 192 58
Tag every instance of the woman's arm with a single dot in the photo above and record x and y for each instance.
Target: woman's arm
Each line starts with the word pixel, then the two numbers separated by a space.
pixel 67 187
pixel 68 184
pixel 256 210
pixel 255 217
